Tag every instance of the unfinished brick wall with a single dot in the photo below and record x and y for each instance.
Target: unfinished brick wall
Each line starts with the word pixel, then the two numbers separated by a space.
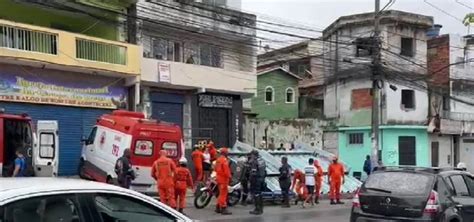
pixel 361 99
pixel 438 61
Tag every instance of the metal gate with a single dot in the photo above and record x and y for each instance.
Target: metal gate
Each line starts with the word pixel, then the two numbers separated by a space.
pixel 217 120
pixel 167 107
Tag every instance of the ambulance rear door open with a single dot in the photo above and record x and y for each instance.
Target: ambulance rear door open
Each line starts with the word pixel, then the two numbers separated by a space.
pixel 46 153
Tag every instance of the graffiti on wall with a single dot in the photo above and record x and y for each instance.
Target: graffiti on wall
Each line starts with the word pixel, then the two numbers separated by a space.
pixel 290 133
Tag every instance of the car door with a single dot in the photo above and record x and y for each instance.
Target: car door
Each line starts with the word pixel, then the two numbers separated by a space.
pixel 88 149
pixel 47 208
pixel 106 207
pixel 463 196
pixel 46 153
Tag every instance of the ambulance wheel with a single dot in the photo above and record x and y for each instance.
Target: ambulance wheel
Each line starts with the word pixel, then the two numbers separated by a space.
pixel 81 170
pixel 202 200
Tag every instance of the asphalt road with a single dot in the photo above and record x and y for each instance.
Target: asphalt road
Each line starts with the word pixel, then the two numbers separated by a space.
pixel 321 212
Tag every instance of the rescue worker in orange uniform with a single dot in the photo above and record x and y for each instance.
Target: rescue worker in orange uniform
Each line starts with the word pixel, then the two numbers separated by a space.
pixel 198 159
pixel 319 181
pixel 182 180
pixel 223 175
pixel 162 171
pixel 299 184
pixel 336 179
pixel 212 150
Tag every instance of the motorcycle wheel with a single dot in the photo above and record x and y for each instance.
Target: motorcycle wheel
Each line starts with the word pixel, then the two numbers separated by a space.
pixel 234 198
pixel 202 200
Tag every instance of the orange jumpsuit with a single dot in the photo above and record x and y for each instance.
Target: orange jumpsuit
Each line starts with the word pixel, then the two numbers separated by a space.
pixel 212 151
pixel 198 158
pixel 299 183
pixel 223 175
pixel 183 180
pixel 336 177
pixel 319 179
pixel 163 171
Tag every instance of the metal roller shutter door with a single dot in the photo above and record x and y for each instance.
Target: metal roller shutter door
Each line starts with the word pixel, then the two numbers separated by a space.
pixel 167 107
pixel 74 123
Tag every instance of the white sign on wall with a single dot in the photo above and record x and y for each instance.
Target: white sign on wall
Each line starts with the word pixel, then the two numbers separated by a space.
pixel 164 74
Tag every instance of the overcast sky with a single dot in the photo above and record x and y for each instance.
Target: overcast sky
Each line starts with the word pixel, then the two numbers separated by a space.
pixel 320 13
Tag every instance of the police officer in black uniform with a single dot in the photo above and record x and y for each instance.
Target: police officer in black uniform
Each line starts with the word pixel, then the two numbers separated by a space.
pixel 285 181
pixel 257 181
pixel 243 174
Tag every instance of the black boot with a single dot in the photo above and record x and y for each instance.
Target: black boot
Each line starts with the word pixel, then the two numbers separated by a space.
pixel 244 200
pixel 332 202
pixel 218 209
pixel 316 200
pixel 339 202
pixel 257 210
pixel 224 211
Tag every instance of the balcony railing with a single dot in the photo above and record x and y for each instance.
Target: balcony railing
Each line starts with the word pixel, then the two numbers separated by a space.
pixel 458 116
pixel 28 40
pixel 41 44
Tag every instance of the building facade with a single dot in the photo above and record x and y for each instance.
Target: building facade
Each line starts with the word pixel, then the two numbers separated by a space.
pixel 277 95
pixel 452 113
pixel 198 64
pixel 64 66
pixel 348 98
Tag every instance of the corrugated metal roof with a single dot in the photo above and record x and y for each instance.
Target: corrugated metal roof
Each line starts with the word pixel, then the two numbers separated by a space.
pixel 298 159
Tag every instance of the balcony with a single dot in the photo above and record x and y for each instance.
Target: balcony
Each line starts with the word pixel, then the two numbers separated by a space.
pixel 458 116
pixel 189 76
pixel 64 49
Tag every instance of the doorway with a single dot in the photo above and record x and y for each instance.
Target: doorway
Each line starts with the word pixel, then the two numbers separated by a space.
pixel 407 150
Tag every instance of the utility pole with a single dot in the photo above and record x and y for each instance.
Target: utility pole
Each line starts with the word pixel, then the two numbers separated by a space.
pixel 376 77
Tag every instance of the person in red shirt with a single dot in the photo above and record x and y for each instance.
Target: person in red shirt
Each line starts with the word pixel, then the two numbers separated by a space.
pixel 223 175
pixel 212 150
pixel 182 181
pixel 198 159
pixel 336 179
pixel 299 183
pixel 163 172
pixel 319 180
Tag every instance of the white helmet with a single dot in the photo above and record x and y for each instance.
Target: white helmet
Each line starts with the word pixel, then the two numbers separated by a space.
pixel 462 166
pixel 183 160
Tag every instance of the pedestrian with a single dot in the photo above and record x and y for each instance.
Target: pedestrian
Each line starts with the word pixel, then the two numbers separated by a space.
pixel 212 150
pixel 258 172
pixel 336 179
pixel 242 174
pixel 319 181
pixel 124 170
pixel 285 181
pixel 367 165
pixel 20 164
pixel 183 180
pixel 163 172
pixel 223 175
pixel 207 166
pixel 299 186
pixel 198 160
pixel 310 173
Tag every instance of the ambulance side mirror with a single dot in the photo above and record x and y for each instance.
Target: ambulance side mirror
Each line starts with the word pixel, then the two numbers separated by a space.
pixel 84 140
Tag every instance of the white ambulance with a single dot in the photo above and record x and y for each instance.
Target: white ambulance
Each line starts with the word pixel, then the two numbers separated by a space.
pixel 120 130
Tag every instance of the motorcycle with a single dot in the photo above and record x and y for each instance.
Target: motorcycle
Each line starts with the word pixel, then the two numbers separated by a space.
pixel 204 194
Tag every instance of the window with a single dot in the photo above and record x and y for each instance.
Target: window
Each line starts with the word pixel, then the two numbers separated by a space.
pixel 290 95
pixel 164 49
pixel 400 183
pixel 408 99
pixel 460 187
pixel 470 184
pixel 47 145
pixel 191 53
pixel 91 138
pixel 364 46
pixel 446 103
pixel 202 54
pixel 144 148
pixel 121 208
pixel 45 208
pixel 460 63
pixel 269 94
pixel 356 138
pixel 407 47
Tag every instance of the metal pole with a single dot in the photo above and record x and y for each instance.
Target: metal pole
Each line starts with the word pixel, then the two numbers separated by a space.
pixel 375 86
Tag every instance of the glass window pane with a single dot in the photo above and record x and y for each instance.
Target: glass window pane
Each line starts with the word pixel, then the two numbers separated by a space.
pixel 205 54
pixel 121 208
pixel 170 50
pixel 216 56
pixel 191 53
pixel 46 146
pixel 460 186
pixel 160 48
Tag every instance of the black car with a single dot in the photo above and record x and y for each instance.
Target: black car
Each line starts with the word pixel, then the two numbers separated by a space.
pixel 415 194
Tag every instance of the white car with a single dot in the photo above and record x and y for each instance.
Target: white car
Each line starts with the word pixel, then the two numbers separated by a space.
pixel 73 200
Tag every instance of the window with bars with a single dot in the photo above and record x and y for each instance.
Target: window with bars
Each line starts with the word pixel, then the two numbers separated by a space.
pixel 356 138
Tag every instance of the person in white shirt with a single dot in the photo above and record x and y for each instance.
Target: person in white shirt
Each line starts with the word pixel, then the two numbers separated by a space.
pixel 207 166
pixel 310 173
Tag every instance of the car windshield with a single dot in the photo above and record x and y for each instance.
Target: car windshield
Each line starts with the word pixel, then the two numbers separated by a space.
pixel 402 183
